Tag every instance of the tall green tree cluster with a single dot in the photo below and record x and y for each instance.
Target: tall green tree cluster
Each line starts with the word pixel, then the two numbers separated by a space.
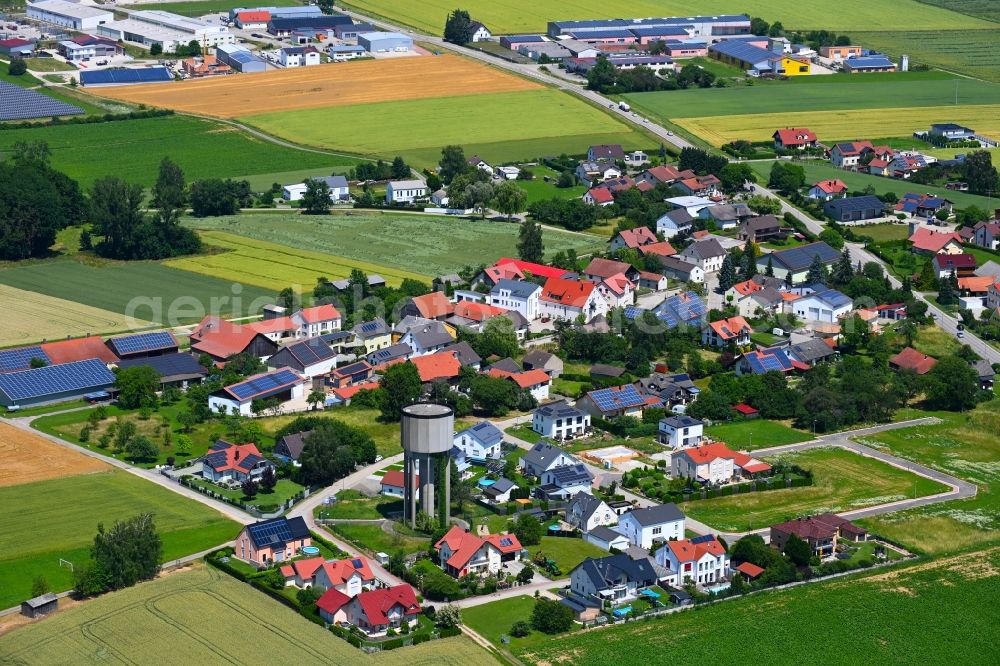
pixel 122 555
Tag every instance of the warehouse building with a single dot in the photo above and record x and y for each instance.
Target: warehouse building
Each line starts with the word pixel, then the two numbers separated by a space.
pixel 85 47
pixel 385 42
pixel 695 26
pixel 166 29
pixel 282 27
pixel 69 14
pixel 279 12
pixel 55 383
pixel 239 58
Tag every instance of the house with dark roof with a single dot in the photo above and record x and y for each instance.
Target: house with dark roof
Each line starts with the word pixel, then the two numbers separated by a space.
pixel 606 537
pixel 612 151
pixel 560 421
pixel 537 359
pixel 822 532
pixel 585 512
pixel 794 262
pixel 141 345
pixel 660 522
pixel 227 462
pixel 499 491
pixel 811 352
pixel 726 216
pixel 543 457
pixel 759 228
pixel 680 431
pixel 854 209
pixel 614 401
pixel 962 265
pixel 707 254
pixel 616 578
pixel 391 354
pixel 427 338
pixel 561 483
pixel 674 222
pixel 289 447
pixel 275 540
pixel 673 390
pixel 480 442
pixel 354 373
pixel 374 334
pixel 310 358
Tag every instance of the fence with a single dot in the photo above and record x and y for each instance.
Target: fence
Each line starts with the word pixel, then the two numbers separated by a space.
pixel 769 483
pixel 252 510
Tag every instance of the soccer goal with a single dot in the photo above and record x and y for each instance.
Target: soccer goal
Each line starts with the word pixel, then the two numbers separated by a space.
pixel 67 564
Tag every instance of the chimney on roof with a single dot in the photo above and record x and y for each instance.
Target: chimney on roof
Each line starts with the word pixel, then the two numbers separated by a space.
pixel 237 454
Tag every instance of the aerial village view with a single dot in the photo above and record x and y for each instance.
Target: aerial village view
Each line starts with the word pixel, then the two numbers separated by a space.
pixel 525 333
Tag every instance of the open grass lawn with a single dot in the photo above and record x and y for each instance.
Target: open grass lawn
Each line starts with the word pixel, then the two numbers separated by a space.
pixel 566 552
pixel 266 502
pixel 147 291
pixel 488 125
pixel 372 508
pixel 24 80
pixel 202 7
pixel 842 481
pixel 965 445
pixel 532 16
pixel 202 148
pixel 842 91
pixel 905 615
pixel 203 616
pixel 410 245
pixel 843 124
pixel 48 520
pixel 884 232
pixel 48 65
pixel 539 190
pixel 524 432
pixel 933 341
pixel 817 170
pixel 756 434
pixel 968 52
pixel 374 539
pixel 493 620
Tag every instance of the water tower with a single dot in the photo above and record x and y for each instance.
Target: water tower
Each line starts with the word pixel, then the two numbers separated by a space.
pixel 427 433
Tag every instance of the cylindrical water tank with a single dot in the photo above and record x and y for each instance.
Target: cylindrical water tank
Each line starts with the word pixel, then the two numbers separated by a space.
pixel 428 428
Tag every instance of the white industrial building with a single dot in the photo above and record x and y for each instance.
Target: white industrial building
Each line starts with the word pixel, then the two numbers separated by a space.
pixel 69 14
pixel 239 58
pixel 385 42
pixel 166 29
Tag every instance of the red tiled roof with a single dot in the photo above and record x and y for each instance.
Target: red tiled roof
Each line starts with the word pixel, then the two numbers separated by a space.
pixel 795 136
pixel 276 325
pixel 932 241
pixel 320 313
pixel 605 268
pixel 79 349
pixel 911 359
pixel 618 284
pixel 394 478
pixel 525 379
pixel 685 551
pixel 744 409
pixel 747 287
pixel 348 392
pixel 505 543
pixel 727 329
pixel 14 43
pixel 220 338
pixel 236 456
pixel 661 248
pixel 433 305
pixel 540 270
pixel 376 604
pixel 504 271
pixel 332 601
pixel 835 186
pixel 956 261
pixel 750 569
pixel 305 569
pixel 254 17
pixel 340 571
pixel 464 545
pixel 477 311
pixel 636 237
pixel 600 194
pixel 667 173
pixel 571 293
pixel 978 284
pixel 442 365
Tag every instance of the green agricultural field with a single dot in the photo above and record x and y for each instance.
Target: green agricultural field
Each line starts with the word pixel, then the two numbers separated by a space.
pixel 202 616
pixel 67 510
pixel 203 148
pixel 202 7
pixel 818 170
pixel 532 16
pixel 829 93
pixel 495 619
pixel 970 52
pixel 756 434
pixel 144 290
pixel 498 127
pixel 984 9
pixel 842 481
pixel 964 445
pixel 420 245
pixel 901 616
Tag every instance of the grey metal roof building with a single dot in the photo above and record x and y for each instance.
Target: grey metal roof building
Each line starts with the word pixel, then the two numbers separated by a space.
pixel 800 258
pixel 654 515
pixel 54 383
pixel 517 288
pixel 724 24
pixel 865 207
pixel 172 368
pixel 239 58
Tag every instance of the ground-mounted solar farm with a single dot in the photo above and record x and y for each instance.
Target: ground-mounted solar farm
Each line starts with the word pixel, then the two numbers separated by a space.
pixel 18 103
pixel 123 77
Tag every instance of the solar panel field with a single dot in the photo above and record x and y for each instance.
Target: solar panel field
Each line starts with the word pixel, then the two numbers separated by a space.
pixel 17 103
pixel 205 617
pixel 66 511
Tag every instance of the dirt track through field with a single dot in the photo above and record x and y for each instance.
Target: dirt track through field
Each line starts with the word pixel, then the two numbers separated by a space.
pixel 337 84
pixel 28 458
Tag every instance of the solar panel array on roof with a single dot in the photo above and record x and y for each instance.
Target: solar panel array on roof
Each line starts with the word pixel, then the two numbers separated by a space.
pixel 263 385
pixel 142 342
pixel 773 360
pixel 506 541
pixel 20 359
pixel 168 365
pixel 55 379
pixel 278 531
pixel 17 103
pixel 610 399
pixel 108 77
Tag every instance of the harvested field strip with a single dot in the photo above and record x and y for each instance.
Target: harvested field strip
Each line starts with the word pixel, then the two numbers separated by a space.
pixel 276 266
pixel 31 317
pixel 28 458
pixel 844 125
pixel 344 84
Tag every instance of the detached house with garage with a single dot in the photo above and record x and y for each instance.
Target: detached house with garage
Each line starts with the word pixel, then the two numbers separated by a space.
pixel 352 576
pixel 542 457
pixel 561 483
pixel 559 421
pixel 826 306
pixel 825 190
pixel 794 138
pixel 373 612
pixel 714 464
pixel 461 553
pixel 700 560
pixel 587 512
pixel 480 442
pixel 227 462
pixel 644 526
pixel 274 540
pixel 615 579
pixel 707 255
pixel 733 331
pixel 568 299
pixel 822 532
pixel 679 432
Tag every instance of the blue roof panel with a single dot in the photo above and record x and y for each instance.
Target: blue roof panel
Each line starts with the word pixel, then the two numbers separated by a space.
pixel 20 359
pixel 55 379
pixel 124 76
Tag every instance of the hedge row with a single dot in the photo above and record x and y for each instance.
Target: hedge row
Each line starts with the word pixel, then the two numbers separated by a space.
pixel 90 120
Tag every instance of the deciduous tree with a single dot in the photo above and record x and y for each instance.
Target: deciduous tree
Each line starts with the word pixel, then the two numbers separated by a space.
pixel 530 246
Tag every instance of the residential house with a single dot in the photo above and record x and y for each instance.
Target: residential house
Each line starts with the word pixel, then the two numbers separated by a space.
pixel 310 358
pixel 617 290
pixel 793 264
pixel 298 56
pixel 480 33
pixel 679 269
pixel 707 255
pixel 605 537
pixel 339 189
pixel 726 216
pixel 352 576
pixel 393 353
pixel 373 612
pixel 301 573
pixel 373 335
pixel 693 205
pixel 962 265
pixel 614 579
pixel 952 132
pixel 762 361
pixel 597 171
pixel 427 338
pixel 536 359
pixel 434 305
pixel 904 165
pixel 700 560
pixel 476 162
pixel 987 234
pixel 274 540
pixel 825 306
pixel 658 249
pixel 848 155
pixel 733 331
pixel 499 491
pixel 855 209
pixel 227 462
pixel 665 174
pixel 794 138
pixel 568 299
pixel 822 532
pixel 562 483
pixel 985 373
pixel 358 372
pixel 680 432
pixel 605 152
pixel 714 464
pixel 879 167
pixel 393 484
pixel 560 421
pixel 599 270
pixel 612 402
pixel 442 365
pixel 910 359
pixel 759 228
pixel 536 382
pixel 221 339
pixel 461 553
pixel 674 390
pixel 931 242
pixel 674 222
pixel 811 352
pixel 699 186
pixel 661 522
pixel 480 442
pixel 684 308
pixel 405 191
pixel 283 385
pixel 923 205
pixel 288 448
pixel 598 196
pixel 544 457
pixel 653 281
pixel 632 239
pixel 825 190
pixel 317 320
pixel 586 512
pixel 519 296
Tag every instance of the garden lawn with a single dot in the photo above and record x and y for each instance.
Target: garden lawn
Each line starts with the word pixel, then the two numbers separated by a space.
pixel 842 481
pixel 817 170
pixel 933 341
pixel 539 190
pixel 203 616
pixel 533 15
pixel 488 125
pixel 48 65
pixel 566 551
pixel 524 432
pixel 374 539
pixel 883 232
pixel 362 508
pixel 202 148
pixel 756 434
pixel 964 445
pixel 264 501
pixel 493 620
pixel 410 245
pixel 875 619
pixel 147 291
pixel 47 521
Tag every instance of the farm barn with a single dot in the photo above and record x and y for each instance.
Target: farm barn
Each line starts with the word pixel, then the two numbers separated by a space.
pixel 54 383
pixel 384 42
